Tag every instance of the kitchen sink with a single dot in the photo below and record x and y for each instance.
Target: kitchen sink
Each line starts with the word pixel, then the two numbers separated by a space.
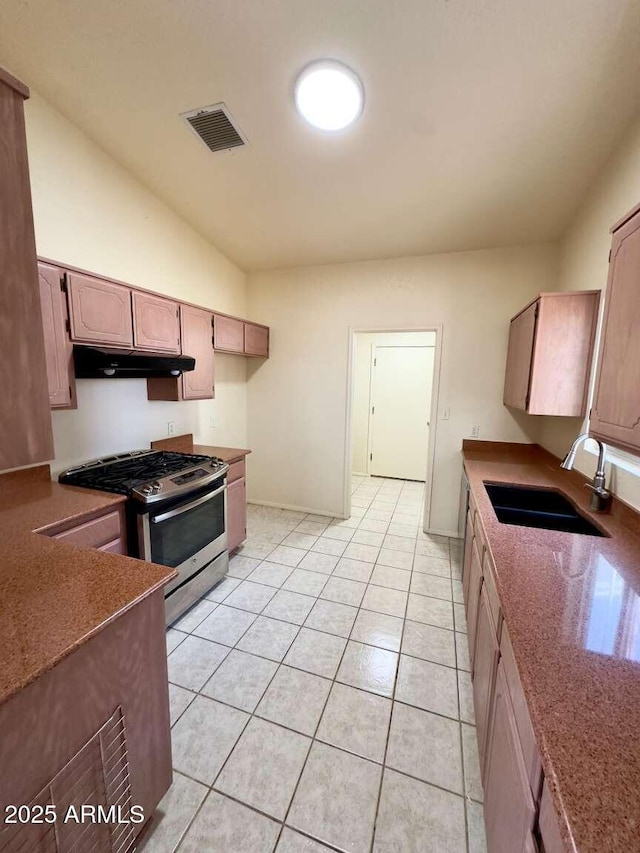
pixel 543 508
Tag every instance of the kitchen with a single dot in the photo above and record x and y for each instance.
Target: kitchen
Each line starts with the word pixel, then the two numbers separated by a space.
pixel 106 206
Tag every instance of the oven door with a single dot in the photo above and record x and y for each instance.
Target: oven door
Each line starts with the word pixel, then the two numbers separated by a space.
pixel 187 533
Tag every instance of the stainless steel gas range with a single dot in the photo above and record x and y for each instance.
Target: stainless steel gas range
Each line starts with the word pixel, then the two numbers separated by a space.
pixel 176 514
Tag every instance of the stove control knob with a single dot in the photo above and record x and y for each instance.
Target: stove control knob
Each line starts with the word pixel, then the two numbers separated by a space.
pixel 146 490
pixel 156 487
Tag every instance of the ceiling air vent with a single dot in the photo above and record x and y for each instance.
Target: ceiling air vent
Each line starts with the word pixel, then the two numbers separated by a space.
pixel 215 127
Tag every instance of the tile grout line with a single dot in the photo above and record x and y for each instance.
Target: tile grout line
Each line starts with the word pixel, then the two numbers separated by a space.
pixel 333 680
pixel 393 699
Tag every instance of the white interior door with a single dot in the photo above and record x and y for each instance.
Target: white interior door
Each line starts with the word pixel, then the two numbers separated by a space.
pixel 401 385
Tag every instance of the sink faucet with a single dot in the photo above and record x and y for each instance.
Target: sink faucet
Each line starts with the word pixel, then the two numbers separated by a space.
pixel 601 496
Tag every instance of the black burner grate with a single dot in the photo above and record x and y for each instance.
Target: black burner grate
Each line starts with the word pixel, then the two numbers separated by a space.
pixel 123 476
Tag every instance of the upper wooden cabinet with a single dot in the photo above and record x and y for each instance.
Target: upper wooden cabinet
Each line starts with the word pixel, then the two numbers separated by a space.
pixel 58 347
pixel 100 311
pixel 228 334
pixel 237 336
pixel 615 416
pixel 197 384
pixel 156 323
pixel 25 421
pixel 256 340
pixel 195 325
pixel 549 354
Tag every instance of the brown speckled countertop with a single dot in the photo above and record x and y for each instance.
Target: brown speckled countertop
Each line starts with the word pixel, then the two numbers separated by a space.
pixel 227 454
pixel 184 444
pixel 55 596
pixel 572 607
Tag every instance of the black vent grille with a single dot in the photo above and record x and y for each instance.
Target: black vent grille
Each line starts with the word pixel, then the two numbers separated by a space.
pixel 215 128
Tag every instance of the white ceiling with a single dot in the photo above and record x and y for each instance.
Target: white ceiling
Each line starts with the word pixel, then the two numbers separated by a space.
pixel 485 120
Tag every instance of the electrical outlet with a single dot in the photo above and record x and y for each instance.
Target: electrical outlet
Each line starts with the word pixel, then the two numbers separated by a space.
pixel 212 422
pixel 475 431
pixel 446 414
pixel 171 428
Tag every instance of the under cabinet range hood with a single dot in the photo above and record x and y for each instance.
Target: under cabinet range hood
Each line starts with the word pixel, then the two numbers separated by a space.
pixel 104 363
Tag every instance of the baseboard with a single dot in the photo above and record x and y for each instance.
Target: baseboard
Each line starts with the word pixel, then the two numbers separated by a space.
pixel 295 508
pixel 358 474
pixel 452 534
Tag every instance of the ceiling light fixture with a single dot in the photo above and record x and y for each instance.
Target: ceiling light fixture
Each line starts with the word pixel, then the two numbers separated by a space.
pixel 329 95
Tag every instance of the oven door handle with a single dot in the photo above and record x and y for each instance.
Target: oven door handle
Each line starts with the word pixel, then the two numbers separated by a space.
pixel 172 513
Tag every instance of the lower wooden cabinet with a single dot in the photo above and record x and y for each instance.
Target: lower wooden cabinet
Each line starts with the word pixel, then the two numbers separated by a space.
pixel 519 814
pixel 473 597
pixel 104 531
pixel 466 564
pixel 236 505
pixel 485 667
pixel 509 809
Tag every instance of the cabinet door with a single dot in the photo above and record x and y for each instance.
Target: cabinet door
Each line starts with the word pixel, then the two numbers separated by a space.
pixel 487 652
pixel 195 325
pixel 616 412
pixel 100 311
pixel 509 810
pixel 473 601
pixel 156 323
pixel 549 825
pixel 522 334
pixel 57 346
pixel 256 340
pixel 466 563
pixel 563 353
pixel 236 513
pixel 228 334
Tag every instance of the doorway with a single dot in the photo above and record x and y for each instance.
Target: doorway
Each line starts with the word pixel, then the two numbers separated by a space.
pixel 393 397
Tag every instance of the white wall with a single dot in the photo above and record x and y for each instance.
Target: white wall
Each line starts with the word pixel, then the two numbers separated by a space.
pixel 297 400
pixel 584 266
pixel 361 387
pixel 91 213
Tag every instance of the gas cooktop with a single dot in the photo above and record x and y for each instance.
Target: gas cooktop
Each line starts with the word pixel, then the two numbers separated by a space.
pixel 147 475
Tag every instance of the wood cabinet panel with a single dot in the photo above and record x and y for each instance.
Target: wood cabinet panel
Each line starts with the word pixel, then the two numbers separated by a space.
pixel 256 340
pixel 466 561
pixel 100 312
pixel 123 666
pixel 489 584
pixel 563 353
pixel 487 652
pixel 94 533
pixel 228 334
pixel 550 353
pixel 156 323
pixel 25 424
pixel 195 325
pixel 509 810
pixel 615 417
pixel 522 332
pixel 236 471
pixel 522 719
pixel 236 513
pixel 473 600
pixel 58 347
pixel 548 824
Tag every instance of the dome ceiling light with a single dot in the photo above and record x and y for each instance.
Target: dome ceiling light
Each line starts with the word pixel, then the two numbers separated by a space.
pixel 329 95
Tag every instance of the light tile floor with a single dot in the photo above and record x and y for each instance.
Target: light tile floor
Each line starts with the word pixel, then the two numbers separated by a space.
pixel 320 694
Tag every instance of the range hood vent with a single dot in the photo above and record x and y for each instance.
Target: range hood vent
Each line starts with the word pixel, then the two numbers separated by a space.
pixel 215 127
pixel 102 363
